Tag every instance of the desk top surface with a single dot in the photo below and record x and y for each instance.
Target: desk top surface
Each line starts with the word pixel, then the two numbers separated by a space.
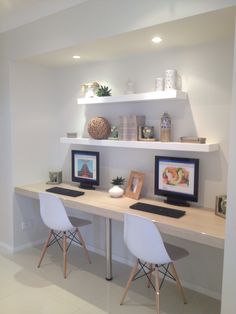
pixel 199 225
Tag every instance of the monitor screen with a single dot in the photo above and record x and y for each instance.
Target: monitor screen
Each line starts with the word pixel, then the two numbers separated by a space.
pixel 85 168
pixel 177 179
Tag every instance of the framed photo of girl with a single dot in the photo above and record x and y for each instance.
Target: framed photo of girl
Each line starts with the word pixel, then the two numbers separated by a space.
pixel 135 183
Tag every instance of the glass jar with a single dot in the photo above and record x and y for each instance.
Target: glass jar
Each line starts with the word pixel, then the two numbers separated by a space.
pixel 89 89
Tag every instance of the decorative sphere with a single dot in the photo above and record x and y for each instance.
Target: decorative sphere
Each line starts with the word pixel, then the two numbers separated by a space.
pixel 99 128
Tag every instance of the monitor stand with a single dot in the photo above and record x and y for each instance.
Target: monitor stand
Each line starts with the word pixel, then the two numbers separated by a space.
pixel 176 202
pixel 86 186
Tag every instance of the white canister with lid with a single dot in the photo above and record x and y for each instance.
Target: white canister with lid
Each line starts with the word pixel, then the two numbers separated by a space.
pixel 171 79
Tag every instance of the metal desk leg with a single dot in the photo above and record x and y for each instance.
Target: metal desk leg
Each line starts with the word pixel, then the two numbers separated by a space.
pixel 108 250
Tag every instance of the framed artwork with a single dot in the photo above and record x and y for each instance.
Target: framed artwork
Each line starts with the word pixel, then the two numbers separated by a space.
pixel 221 205
pixel 85 168
pixel 135 183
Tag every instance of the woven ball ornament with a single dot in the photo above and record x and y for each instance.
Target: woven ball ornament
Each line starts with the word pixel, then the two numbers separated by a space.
pixel 99 128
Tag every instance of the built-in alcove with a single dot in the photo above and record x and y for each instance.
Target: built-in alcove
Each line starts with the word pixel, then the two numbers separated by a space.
pixel 45 90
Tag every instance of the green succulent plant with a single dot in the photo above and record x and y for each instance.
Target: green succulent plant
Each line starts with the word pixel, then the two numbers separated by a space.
pixel 103 91
pixel 118 181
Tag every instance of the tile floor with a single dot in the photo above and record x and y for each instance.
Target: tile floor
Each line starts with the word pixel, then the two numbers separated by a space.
pixel 28 290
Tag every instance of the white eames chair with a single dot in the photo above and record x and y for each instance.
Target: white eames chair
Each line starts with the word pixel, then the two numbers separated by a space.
pixel 144 241
pixel 62 227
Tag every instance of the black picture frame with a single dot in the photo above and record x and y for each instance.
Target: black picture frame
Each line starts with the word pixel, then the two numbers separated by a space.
pixel 85 168
pixel 175 194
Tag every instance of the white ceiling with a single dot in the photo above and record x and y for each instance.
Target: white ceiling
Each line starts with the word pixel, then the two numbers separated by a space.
pixel 217 25
pixel 14 13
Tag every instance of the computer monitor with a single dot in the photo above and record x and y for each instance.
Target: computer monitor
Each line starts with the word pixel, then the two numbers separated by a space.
pixel 85 168
pixel 177 179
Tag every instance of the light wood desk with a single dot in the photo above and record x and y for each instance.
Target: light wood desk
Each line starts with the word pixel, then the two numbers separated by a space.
pixel 198 225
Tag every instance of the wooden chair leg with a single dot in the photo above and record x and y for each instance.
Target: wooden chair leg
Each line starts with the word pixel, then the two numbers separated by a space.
pixel 133 272
pixel 65 253
pixel 150 276
pixel 45 247
pixel 83 245
pixel 174 273
pixel 157 290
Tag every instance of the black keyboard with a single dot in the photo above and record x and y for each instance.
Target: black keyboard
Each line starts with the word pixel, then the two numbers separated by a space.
pixel 159 210
pixel 64 191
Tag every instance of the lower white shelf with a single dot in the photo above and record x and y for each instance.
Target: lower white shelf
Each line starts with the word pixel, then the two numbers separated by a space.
pixel 175 146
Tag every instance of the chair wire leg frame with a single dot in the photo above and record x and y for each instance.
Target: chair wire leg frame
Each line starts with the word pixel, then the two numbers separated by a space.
pixel 146 269
pixel 74 236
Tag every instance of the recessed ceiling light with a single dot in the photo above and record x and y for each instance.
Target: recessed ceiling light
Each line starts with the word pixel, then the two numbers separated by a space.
pixel 156 40
pixel 76 57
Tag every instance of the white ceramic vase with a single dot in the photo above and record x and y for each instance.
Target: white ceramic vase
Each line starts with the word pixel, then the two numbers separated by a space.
pixel 116 191
pixel 170 79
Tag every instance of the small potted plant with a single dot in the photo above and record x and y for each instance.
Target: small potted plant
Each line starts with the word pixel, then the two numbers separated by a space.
pixel 117 190
pixel 103 91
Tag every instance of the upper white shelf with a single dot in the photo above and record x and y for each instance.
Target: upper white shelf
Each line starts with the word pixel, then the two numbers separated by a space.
pixel 159 95
pixel 174 146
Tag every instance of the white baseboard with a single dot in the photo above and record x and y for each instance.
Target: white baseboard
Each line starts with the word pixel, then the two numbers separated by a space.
pixel 209 293
pixel 5 248
pixel 27 245
pixel 114 257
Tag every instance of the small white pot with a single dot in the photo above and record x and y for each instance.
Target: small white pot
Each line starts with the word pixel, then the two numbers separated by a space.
pixel 116 191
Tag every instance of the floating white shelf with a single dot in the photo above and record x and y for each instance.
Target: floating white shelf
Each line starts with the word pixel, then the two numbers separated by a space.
pixel 159 95
pixel 174 146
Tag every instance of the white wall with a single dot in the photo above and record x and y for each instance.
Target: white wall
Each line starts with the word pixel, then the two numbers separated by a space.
pixel 34 113
pixel 6 230
pixel 34 116
pixel 228 293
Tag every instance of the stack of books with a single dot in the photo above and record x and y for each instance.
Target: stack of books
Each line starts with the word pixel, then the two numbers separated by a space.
pixel 128 127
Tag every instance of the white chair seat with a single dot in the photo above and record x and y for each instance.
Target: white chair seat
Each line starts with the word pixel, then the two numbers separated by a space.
pixel 175 252
pixel 78 222
pixel 145 242
pixel 62 227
